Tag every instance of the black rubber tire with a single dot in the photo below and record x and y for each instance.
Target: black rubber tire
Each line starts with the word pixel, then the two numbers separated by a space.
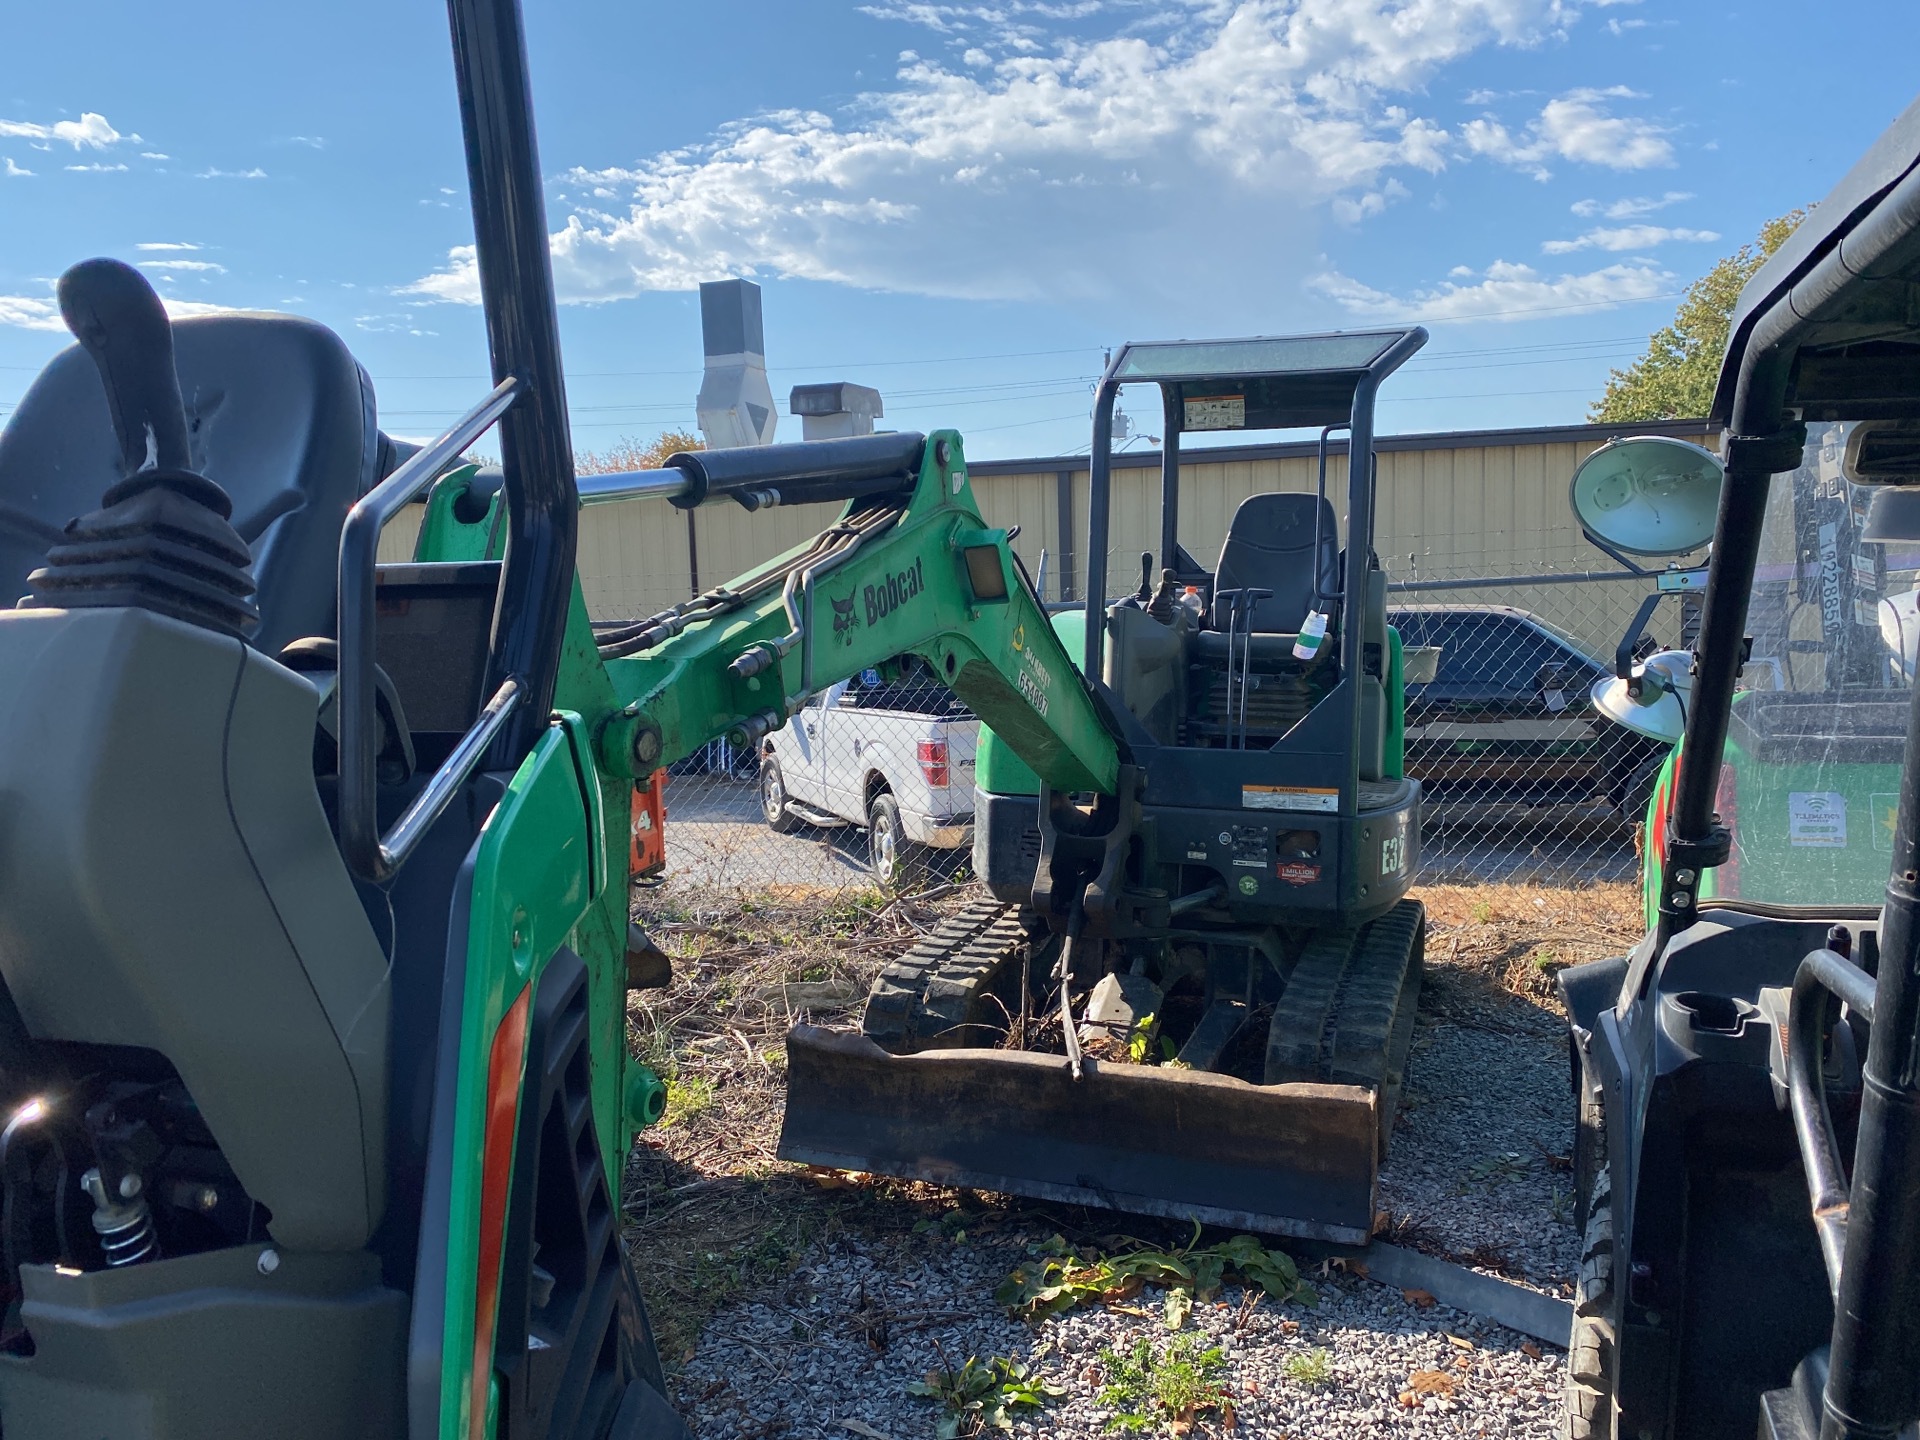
pixel 894 861
pixel 1589 1407
pixel 773 799
pixel 956 987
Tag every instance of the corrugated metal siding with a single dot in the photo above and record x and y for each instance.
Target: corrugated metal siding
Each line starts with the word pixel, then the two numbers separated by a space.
pixel 1481 509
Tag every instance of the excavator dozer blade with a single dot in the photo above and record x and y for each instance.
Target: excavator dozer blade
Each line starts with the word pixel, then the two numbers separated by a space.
pixel 1154 1140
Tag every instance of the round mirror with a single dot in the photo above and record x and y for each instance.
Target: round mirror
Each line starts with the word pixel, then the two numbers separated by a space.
pixel 1659 711
pixel 1648 495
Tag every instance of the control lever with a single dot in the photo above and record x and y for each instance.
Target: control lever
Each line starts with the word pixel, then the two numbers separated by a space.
pixel 161 539
pixel 119 321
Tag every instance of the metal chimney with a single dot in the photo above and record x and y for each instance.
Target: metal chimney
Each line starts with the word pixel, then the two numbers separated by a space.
pixel 835 410
pixel 736 403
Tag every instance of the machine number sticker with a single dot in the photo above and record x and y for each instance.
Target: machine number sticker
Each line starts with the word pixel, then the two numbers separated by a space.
pixel 1216 412
pixel 1885 805
pixel 1290 797
pixel 1393 854
pixel 1817 819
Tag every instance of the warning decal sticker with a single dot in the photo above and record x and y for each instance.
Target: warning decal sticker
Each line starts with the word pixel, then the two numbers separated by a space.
pixel 1216 412
pixel 1290 797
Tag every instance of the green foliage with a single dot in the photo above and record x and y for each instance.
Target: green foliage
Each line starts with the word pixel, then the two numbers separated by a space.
pixel 980 1396
pixel 1309 1369
pixel 1168 1389
pixel 1056 1278
pixel 1675 378
pixel 1140 1042
pixel 687 1096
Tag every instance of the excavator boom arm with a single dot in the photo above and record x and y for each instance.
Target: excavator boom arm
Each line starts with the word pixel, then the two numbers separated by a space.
pixel 903 573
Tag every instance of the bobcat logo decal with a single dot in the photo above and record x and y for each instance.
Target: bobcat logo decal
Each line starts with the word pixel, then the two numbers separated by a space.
pixel 845 622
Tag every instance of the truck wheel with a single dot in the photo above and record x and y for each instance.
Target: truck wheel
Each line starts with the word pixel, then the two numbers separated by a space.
pixel 1589 1392
pixel 773 799
pixel 895 861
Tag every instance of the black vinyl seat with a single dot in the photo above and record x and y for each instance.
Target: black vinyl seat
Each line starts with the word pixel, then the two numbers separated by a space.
pixel 279 414
pixel 1271 545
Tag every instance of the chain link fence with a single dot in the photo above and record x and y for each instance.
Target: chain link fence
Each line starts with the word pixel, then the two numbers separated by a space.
pixel 1525 782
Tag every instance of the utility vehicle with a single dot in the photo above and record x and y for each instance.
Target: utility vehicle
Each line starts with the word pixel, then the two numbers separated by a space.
pixel 1748 1077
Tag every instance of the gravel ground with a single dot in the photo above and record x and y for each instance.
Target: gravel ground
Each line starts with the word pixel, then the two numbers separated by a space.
pixel 1479 1169
pixel 806 1308
pixel 1473 1176
pixel 841 1341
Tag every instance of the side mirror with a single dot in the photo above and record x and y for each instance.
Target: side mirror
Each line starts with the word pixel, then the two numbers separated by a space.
pixel 1648 495
pixel 1653 700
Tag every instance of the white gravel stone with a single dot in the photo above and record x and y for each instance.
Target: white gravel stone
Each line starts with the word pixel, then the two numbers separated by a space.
pixel 1471 1165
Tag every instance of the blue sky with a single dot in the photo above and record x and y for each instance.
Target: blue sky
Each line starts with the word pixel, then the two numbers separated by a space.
pixel 961 205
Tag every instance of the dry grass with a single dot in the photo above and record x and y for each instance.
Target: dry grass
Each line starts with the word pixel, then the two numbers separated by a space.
pixel 1493 950
pixel 711 1211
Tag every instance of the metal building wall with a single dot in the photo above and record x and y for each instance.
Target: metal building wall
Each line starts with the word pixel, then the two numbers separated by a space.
pixel 1479 504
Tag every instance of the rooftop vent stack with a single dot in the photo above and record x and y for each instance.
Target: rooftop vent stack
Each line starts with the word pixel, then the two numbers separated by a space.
pixel 836 410
pixel 736 403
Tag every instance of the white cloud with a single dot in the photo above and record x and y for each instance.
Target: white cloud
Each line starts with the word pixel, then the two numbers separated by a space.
pixel 154 155
pixel 89 132
pixel 32 312
pixel 1351 210
pixel 199 266
pixel 1626 237
pixel 312 142
pixel 24 312
pixel 97 168
pixel 13 171
pixel 982 182
pixel 256 173
pixel 165 245
pixel 1503 291
pixel 1621 27
pixel 1631 208
pixel 392 324
pixel 1577 126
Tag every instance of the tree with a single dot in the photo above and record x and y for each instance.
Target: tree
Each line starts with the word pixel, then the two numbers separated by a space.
pixel 1675 378
pixel 629 454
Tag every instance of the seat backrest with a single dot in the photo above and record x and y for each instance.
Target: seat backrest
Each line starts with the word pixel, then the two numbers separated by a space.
pixel 1270 546
pixel 279 414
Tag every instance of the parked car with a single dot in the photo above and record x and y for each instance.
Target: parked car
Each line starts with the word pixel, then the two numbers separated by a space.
pixel 1507 719
pixel 895 757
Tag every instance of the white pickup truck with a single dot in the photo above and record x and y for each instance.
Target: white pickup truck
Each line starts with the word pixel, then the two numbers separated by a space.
pixel 896 758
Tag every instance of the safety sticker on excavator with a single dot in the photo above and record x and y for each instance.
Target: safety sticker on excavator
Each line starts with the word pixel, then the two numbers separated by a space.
pixel 1324 800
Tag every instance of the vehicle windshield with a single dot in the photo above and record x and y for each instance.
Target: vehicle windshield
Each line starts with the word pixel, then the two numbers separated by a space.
pixel 1811 774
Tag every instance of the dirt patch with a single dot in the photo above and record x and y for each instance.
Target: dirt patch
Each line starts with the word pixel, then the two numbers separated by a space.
pixel 711 1212
pixel 1493 950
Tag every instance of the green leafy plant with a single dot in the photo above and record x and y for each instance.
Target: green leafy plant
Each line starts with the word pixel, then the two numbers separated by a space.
pixel 1167 1389
pixel 1140 1042
pixel 983 1395
pixel 1309 1369
pixel 1056 1278
pixel 687 1097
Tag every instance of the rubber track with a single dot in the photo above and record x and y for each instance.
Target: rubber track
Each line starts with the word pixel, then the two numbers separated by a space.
pixel 1346 1016
pixel 920 1000
pixel 1296 1036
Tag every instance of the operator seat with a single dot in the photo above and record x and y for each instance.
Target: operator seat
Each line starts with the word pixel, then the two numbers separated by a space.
pixel 279 414
pixel 1271 545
